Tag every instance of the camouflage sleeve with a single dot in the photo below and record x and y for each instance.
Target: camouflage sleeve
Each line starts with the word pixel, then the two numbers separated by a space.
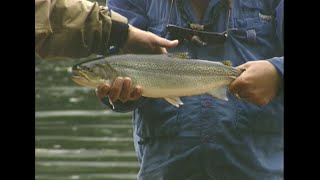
pixel 72 28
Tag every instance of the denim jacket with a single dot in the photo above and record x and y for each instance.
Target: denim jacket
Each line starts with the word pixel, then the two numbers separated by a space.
pixel 207 138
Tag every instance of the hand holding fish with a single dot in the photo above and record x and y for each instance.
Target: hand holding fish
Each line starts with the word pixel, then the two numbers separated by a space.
pixel 121 89
pixel 140 41
pixel 259 83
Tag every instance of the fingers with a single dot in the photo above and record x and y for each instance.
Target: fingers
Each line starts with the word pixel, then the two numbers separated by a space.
pixel 242 89
pixel 242 82
pixel 237 85
pixel 258 84
pixel 121 89
pixel 136 93
pixel 259 101
pixel 160 45
pixel 126 90
pixel 102 91
pixel 161 42
pixel 254 98
pixel 115 89
pixel 140 41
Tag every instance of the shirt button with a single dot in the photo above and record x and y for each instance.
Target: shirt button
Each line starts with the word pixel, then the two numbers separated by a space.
pixel 206 103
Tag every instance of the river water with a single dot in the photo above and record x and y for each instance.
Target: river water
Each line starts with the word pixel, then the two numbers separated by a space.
pixel 76 136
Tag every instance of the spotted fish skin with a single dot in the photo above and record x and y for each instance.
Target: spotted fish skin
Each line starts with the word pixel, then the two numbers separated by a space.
pixel 160 76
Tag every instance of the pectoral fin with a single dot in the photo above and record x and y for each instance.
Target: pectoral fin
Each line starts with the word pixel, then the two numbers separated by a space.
pixel 174 101
pixel 220 93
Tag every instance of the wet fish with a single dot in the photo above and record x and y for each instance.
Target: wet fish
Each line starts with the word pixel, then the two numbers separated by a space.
pixel 160 76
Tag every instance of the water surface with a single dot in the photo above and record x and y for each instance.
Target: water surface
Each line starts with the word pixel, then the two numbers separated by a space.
pixel 76 137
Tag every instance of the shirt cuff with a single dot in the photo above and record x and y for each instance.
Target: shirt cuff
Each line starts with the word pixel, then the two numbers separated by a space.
pixel 118 34
pixel 278 63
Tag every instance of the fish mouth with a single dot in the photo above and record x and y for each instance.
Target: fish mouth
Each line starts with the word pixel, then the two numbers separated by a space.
pixel 81 79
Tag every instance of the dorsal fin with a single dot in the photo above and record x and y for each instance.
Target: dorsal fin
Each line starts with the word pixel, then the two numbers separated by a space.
pixel 227 62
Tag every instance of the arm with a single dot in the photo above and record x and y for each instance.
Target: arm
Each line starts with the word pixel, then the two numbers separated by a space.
pixel 73 28
pixel 263 80
pixel 123 97
pixel 79 28
pixel 278 62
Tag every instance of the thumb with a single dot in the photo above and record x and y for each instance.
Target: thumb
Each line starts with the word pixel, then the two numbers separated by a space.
pixel 162 42
pixel 236 85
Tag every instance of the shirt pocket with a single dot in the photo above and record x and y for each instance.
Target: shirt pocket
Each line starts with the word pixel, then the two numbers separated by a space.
pixel 254 29
pixel 254 14
pixel 249 8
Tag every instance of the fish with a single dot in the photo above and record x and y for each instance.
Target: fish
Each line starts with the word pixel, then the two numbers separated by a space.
pixel 160 76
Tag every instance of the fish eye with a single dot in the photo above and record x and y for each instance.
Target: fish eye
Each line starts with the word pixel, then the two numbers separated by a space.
pixel 76 67
pixel 85 68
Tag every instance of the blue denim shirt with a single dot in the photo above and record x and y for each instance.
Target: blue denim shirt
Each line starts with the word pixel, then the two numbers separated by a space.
pixel 207 138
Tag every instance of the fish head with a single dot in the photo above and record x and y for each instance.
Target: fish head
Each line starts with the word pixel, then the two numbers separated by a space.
pixel 92 74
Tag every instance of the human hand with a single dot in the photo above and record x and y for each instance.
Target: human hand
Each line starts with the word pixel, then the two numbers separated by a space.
pixel 140 41
pixel 259 83
pixel 121 89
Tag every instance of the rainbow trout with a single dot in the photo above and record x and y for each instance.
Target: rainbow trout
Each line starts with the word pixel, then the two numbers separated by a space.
pixel 160 76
